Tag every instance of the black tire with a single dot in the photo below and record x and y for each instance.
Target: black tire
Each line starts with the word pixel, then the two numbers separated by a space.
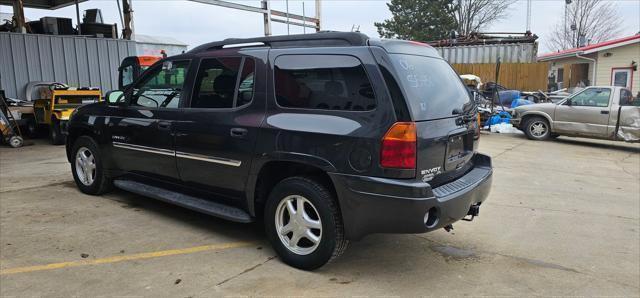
pixel 101 183
pixel 55 133
pixel 332 242
pixel 31 127
pixel 16 141
pixel 533 124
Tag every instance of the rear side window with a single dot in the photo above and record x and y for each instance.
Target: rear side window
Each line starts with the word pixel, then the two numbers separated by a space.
pixel 325 82
pixel 220 84
pixel 433 90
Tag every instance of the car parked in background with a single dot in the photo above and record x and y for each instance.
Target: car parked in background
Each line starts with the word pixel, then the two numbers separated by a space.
pixel 605 112
pixel 324 137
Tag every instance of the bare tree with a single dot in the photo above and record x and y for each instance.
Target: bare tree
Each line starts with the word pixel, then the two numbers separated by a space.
pixel 586 21
pixel 474 15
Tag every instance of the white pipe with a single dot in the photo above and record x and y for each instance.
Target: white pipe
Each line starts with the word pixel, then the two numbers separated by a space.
pixel 595 67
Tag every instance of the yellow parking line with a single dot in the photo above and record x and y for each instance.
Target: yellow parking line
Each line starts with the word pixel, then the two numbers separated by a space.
pixel 115 259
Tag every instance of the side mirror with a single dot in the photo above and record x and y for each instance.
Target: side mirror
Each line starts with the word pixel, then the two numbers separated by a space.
pixel 568 102
pixel 115 97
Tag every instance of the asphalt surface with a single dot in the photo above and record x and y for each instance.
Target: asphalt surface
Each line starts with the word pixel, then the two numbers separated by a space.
pixel 563 219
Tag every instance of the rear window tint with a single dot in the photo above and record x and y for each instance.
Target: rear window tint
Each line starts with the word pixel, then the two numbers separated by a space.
pixel 432 89
pixel 326 82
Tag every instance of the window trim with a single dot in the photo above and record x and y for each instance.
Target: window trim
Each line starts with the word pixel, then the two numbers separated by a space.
pixel 235 92
pixel 129 92
pixel 275 98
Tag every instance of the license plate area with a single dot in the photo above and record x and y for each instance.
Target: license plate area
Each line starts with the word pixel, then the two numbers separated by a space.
pixel 459 151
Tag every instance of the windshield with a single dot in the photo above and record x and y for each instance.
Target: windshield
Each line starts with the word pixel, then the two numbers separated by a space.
pixel 432 88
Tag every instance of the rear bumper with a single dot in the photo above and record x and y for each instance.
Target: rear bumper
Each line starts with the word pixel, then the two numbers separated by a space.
pixel 380 205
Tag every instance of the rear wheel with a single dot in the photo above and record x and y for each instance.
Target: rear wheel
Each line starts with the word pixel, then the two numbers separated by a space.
pixel 87 167
pixel 303 223
pixel 537 128
pixel 55 133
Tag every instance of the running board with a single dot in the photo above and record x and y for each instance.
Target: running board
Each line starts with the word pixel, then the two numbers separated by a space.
pixel 186 201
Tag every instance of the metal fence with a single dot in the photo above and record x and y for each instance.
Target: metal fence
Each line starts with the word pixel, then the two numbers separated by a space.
pixel 508 53
pixel 75 61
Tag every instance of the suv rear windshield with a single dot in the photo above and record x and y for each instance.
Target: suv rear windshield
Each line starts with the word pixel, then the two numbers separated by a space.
pixel 432 88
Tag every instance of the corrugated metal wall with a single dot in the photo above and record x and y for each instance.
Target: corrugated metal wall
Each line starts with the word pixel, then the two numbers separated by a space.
pixel 75 61
pixel 508 53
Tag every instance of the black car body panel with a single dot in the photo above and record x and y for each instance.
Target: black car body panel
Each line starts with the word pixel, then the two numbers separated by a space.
pixel 223 154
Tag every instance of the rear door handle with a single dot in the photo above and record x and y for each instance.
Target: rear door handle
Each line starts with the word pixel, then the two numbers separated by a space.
pixel 604 112
pixel 239 132
pixel 164 125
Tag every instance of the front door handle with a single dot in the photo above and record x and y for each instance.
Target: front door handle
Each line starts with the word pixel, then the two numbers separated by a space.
pixel 239 132
pixel 605 112
pixel 164 125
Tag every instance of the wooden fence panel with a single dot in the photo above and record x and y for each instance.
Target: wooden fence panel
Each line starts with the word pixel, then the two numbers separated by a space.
pixel 519 76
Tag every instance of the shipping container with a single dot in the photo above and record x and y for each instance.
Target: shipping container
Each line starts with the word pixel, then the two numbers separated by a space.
pixel 508 53
pixel 72 60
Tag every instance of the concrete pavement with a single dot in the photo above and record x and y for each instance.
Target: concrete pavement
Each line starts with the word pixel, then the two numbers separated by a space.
pixel 563 219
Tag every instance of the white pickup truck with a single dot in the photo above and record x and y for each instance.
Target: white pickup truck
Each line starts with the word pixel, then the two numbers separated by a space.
pixel 601 112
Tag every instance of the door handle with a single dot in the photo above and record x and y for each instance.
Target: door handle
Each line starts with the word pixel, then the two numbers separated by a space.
pixel 164 125
pixel 604 112
pixel 239 132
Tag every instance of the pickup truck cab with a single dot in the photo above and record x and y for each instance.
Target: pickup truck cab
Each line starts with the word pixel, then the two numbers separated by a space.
pixel 323 137
pixel 601 112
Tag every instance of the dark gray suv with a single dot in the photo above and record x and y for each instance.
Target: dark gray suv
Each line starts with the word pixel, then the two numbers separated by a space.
pixel 324 137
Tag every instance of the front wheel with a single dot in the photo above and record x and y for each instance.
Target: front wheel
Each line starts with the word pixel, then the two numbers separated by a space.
pixel 87 167
pixel 303 223
pixel 537 128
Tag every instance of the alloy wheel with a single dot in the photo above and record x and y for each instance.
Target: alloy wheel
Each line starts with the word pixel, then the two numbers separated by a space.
pixel 298 224
pixel 538 129
pixel 85 166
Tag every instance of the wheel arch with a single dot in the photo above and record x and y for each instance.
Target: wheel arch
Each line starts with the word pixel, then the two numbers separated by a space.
pixel 270 173
pixel 546 116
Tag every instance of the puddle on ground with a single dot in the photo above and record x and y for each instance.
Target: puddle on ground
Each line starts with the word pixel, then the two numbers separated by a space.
pixel 454 252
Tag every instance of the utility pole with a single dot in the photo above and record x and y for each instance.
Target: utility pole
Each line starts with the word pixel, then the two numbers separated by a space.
pixel 18 15
pixel 127 32
pixel 78 17
pixel 529 15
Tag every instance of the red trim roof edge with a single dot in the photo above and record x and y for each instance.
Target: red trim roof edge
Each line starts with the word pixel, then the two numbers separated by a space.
pixel 591 47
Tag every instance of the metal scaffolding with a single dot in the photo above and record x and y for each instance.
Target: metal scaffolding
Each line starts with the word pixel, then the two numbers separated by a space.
pixel 271 15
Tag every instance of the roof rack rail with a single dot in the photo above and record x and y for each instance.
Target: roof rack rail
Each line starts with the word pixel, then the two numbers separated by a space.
pixel 322 38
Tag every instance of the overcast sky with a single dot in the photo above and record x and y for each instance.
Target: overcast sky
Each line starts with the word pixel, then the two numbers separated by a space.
pixel 196 23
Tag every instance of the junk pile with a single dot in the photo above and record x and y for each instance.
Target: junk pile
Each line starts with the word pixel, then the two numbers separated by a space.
pixel 496 102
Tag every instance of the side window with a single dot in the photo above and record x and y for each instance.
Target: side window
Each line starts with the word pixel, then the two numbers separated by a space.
pixel 127 75
pixel 592 97
pixel 245 88
pixel 327 82
pixel 162 87
pixel 626 98
pixel 216 82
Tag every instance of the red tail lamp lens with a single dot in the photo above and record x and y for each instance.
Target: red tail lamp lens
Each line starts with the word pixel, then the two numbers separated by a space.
pixel 399 146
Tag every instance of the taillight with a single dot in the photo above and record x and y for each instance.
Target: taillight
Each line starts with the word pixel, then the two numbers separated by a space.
pixel 399 146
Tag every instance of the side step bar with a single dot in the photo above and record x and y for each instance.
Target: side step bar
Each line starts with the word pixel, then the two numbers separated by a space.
pixel 186 201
